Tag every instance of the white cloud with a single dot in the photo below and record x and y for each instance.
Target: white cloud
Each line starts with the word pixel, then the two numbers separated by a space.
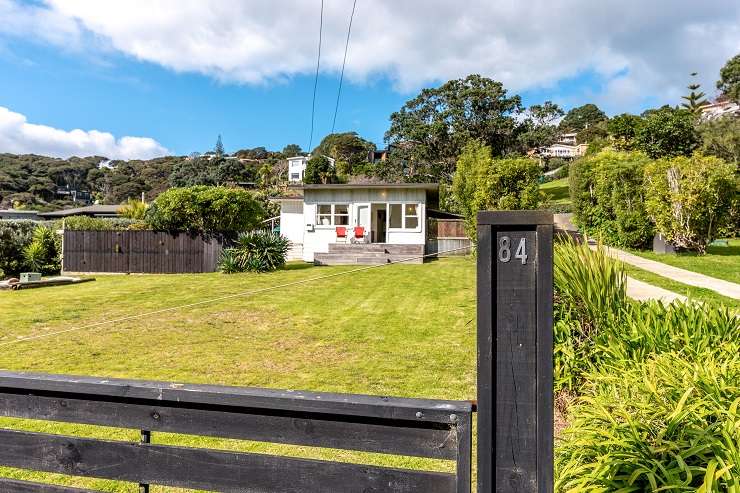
pixel 649 48
pixel 20 137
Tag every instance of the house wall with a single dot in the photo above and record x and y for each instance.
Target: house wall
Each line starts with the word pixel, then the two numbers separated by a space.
pixel 318 240
pixel 291 226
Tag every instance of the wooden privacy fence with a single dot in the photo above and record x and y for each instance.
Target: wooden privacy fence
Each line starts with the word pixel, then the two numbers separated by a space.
pixel 445 235
pixel 409 427
pixel 152 252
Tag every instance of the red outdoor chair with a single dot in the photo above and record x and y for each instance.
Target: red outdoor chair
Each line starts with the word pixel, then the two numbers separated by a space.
pixel 359 233
pixel 341 233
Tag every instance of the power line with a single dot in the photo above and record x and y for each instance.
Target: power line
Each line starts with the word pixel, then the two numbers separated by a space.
pixel 316 80
pixel 344 62
pixel 220 298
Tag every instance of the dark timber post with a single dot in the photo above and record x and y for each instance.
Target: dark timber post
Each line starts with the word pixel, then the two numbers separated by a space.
pixel 515 405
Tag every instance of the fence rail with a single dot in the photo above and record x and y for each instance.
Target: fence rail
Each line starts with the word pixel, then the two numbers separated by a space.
pixel 411 427
pixel 152 252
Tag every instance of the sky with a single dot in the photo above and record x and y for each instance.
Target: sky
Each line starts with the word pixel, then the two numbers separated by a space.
pixel 137 79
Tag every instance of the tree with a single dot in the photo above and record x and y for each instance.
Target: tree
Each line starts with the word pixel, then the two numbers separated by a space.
pixel 694 100
pixel 347 148
pixel 133 209
pixel 218 150
pixel 623 130
pixel 538 128
pixel 721 137
pixel 203 209
pixel 292 150
pixel 667 132
pixel 196 170
pixel 482 182
pixel 690 199
pixel 582 117
pixel 429 132
pixel 729 79
pixel 319 170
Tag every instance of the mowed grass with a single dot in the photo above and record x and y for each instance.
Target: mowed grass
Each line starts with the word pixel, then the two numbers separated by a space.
pixel 722 262
pixel 557 191
pixel 403 330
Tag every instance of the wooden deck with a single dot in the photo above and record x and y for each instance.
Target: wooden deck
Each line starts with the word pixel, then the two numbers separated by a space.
pixel 369 254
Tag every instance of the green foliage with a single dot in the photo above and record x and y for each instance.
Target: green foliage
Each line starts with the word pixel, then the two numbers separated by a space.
pixel 623 130
pixel 202 209
pixel 665 424
pixel 133 209
pixel 86 223
pixel 694 100
pixel 721 137
pixel 43 253
pixel 690 199
pixel 319 170
pixel 255 251
pixel 729 79
pixel 538 128
pixel 608 200
pixel 292 150
pixel 483 183
pixel 582 117
pixel 348 149
pixel 667 132
pixel 15 236
pixel 430 131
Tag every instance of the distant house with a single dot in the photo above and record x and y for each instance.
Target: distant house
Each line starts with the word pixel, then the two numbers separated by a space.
pixel 722 106
pixel 377 155
pixel 91 211
pixel 19 214
pixel 564 151
pixel 76 195
pixel 297 167
pixel 357 223
pixel 569 138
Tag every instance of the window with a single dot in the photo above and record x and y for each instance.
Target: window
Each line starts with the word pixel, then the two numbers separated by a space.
pixel 403 216
pixel 295 176
pixel 332 214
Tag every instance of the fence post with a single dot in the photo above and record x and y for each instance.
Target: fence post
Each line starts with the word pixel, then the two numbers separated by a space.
pixel 515 402
pixel 146 438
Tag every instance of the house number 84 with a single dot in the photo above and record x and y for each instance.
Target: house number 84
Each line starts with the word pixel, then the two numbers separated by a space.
pixel 504 250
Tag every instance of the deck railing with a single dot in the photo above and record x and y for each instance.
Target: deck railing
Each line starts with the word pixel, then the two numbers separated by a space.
pixel 434 429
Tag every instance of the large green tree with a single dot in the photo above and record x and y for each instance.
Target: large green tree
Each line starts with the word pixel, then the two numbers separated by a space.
pixel 348 149
pixel 539 126
pixel 429 132
pixel 729 79
pixel 623 130
pixel 667 132
pixel 721 137
pixel 319 170
pixel 582 117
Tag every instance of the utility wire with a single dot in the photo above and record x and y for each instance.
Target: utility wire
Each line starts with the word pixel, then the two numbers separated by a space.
pixel 316 80
pixel 221 298
pixel 344 62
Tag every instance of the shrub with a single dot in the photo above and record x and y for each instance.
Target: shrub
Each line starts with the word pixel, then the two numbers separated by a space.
pixel 14 237
pixel 482 183
pixel 86 223
pixel 690 199
pixel 256 251
pixel 608 200
pixel 667 132
pixel 666 424
pixel 133 209
pixel 319 170
pixel 205 210
pixel 43 253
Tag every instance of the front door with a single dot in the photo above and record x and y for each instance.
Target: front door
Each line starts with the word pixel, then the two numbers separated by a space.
pixel 380 236
pixel 363 218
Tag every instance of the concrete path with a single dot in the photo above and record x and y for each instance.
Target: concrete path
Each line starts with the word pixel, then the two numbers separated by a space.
pixel 642 291
pixel 725 288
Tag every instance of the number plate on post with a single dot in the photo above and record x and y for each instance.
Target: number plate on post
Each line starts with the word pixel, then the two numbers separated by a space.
pixel 515 410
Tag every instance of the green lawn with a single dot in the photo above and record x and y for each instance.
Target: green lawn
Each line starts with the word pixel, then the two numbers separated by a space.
pixel 405 330
pixel 721 262
pixel 557 191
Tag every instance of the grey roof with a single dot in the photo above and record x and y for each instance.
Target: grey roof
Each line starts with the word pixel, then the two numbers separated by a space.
pixel 91 210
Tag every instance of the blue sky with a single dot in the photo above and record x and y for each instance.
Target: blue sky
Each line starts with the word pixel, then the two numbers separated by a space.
pixel 79 65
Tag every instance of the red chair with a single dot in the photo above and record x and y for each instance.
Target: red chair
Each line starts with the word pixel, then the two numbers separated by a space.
pixel 359 233
pixel 341 233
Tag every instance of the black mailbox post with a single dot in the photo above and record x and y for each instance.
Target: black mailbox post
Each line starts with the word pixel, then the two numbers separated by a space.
pixel 515 404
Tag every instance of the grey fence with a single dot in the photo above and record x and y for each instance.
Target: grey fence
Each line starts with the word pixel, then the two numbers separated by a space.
pixel 150 252
pixel 406 427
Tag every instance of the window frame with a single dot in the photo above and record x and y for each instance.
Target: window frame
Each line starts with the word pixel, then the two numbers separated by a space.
pixel 403 227
pixel 332 215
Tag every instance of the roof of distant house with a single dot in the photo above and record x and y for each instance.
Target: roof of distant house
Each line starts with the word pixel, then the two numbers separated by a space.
pixel 91 210
pixel 354 186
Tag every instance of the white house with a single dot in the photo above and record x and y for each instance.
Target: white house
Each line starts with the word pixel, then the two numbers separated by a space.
pixel 363 223
pixel 564 151
pixel 297 167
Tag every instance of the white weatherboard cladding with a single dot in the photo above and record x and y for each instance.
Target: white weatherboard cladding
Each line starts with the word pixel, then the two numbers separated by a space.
pixel 319 239
pixel 291 220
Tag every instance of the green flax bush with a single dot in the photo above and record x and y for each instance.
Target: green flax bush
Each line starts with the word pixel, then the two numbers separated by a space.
pixel 255 251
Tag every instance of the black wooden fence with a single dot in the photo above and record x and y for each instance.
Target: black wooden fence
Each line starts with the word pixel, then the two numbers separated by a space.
pixel 151 252
pixel 407 427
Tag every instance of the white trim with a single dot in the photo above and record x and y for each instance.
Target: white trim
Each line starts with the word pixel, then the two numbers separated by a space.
pixel 403 229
